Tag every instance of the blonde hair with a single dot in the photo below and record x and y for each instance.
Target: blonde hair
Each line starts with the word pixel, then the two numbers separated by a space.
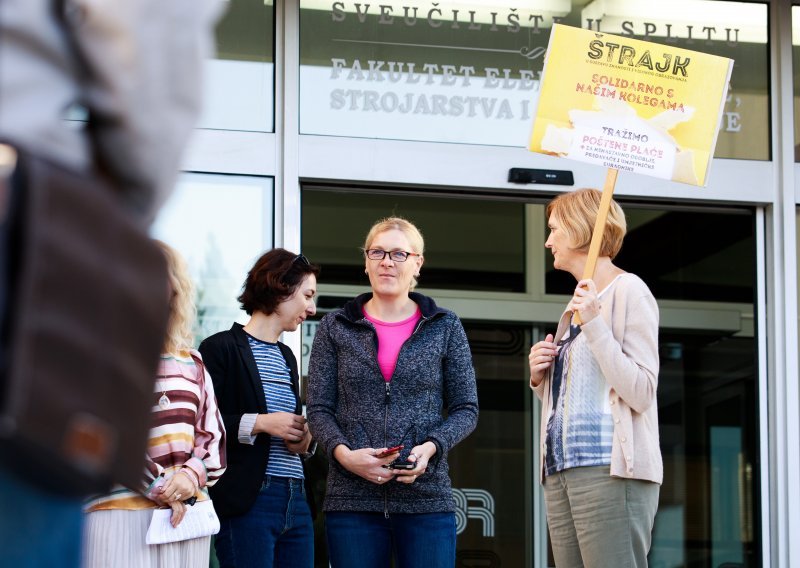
pixel 576 213
pixel 182 311
pixel 408 228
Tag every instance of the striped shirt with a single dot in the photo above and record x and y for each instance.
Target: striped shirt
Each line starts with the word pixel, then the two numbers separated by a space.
pixel 580 429
pixel 186 432
pixel 276 381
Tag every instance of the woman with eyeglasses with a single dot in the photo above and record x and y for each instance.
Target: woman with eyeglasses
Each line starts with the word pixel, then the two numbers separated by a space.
pixel 382 371
pixel 262 501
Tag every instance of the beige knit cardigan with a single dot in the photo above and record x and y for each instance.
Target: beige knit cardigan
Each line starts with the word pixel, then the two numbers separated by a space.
pixel 624 341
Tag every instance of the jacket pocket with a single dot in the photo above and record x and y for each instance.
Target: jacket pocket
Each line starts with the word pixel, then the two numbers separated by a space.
pixel 357 436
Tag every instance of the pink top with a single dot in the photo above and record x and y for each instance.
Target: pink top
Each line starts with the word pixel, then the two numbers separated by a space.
pixel 391 336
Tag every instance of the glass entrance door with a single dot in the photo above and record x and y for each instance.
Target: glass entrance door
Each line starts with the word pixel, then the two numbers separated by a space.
pixel 492 475
pixel 708 511
pixel 485 260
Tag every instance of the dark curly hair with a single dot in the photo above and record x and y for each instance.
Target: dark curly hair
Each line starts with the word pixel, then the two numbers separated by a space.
pixel 273 279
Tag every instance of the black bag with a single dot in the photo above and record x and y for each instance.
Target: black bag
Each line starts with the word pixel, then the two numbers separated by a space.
pixel 87 312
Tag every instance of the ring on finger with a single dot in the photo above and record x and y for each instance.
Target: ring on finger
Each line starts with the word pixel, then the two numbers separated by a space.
pixel 380 479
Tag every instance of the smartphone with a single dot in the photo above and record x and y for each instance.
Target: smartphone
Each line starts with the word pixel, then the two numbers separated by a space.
pixel 401 465
pixel 389 451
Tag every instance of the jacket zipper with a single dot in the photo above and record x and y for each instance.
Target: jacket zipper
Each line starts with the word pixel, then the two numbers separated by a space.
pixel 386 400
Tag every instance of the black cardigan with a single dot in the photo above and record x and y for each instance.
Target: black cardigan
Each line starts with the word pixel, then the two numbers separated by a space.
pixel 238 388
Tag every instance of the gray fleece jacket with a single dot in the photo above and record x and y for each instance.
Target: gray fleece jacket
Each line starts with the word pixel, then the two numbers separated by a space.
pixel 350 403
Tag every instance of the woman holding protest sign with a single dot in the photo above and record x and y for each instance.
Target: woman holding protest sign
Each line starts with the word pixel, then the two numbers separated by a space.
pixel 601 462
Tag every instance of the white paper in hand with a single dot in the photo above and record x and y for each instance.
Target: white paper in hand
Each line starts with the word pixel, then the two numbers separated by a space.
pixel 200 520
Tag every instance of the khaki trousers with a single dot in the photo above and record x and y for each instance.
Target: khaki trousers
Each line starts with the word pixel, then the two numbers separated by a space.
pixel 599 521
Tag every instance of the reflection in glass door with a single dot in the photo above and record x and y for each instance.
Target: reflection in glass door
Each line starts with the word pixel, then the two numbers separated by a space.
pixel 709 511
pixel 491 469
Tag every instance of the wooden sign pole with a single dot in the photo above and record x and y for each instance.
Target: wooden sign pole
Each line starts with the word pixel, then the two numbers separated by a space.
pixel 599 228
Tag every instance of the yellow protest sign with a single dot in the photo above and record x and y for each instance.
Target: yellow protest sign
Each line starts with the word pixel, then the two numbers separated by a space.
pixel 630 105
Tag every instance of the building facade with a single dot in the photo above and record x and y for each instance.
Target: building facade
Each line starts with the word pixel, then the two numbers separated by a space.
pixel 323 115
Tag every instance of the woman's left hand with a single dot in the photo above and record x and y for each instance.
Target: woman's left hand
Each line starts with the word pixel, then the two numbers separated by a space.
pixel 177 488
pixel 420 456
pixel 300 446
pixel 585 301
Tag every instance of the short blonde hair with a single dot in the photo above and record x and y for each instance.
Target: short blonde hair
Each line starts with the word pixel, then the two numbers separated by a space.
pixel 408 228
pixel 182 311
pixel 576 213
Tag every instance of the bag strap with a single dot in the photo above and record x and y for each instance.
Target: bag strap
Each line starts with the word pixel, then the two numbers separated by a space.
pixel 69 16
pixel 65 14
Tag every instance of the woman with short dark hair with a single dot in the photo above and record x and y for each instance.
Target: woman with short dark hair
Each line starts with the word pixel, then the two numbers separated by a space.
pixel 262 500
pixel 600 458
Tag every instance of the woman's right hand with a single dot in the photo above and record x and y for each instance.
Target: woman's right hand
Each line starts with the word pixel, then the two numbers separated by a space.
pixel 365 463
pixel 541 358
pixel 178 512
pixel 284 425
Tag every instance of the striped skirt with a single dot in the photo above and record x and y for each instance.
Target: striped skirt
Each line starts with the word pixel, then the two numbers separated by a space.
pixel 116 539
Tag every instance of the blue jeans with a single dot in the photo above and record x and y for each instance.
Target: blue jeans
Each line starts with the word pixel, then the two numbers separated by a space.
pixel 38 528
pixel 276 532
pixel 369 540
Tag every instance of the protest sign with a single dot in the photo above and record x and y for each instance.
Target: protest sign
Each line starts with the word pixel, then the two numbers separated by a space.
pixel 630 105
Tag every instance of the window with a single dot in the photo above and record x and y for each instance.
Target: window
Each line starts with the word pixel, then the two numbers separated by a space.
pixel 240 81
pixel 683 255
pixel 796 78
pixel 197 221
pixel 468 72
pixel 479 247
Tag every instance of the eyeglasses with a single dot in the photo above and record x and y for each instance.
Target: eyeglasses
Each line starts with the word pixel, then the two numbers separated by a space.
pixel 394 255
pixel 299 258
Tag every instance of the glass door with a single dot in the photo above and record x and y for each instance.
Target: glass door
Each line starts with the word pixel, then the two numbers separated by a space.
pixel 708 512
pixel 485 260
pixel 491 470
